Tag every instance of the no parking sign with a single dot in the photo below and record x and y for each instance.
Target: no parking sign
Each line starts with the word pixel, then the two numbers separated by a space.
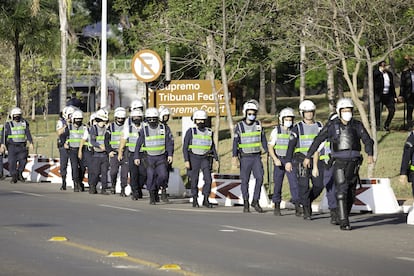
pixel 146 65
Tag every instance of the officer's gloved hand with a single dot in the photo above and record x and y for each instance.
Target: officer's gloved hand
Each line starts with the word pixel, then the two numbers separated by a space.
pixel 169 159
pixel 112 154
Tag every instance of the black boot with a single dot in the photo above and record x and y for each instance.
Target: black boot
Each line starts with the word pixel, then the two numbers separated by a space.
pixel 152 197
pixel 307 213
pixel 2 176
pixel 334 216
pixel 206 203
pixel 13 178
pixel 276 211
pixel 256 206
pixel 122 194
pixel 246 208
pixel 76 186
pixel 195 202
pixel 113 187
pixel 81 186
pixel 298 210
pixel 164 196
pixel 104 192
pixel 63 187
pixel 20 177
pixel 139 193
pixel 343 213
pixel 156 196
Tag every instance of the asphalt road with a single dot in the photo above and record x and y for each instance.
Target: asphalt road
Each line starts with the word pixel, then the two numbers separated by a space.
pixel 110 235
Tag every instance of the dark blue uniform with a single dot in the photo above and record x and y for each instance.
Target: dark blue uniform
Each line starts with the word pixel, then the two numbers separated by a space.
pixel 63 152
pixel 345 143
pixel 99 163
pixel 407 162
pixel 16 135
pixel 199 149
pixel 246 145
pixel 153 147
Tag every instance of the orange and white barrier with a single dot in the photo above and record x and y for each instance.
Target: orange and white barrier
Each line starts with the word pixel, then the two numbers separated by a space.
pixel 226 190
pixel 375 195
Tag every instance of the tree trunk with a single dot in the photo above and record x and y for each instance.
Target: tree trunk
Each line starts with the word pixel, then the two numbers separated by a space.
pixel 262 91
pixel 339 82
pixel 63 51
pixel 17 77
pixel 273 88
pixel 302 89
pixel 331 86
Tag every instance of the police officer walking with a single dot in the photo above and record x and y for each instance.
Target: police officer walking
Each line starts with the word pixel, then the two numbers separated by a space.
pixel 98 167
pixel 112 142
pixel 156 142
pixel 248 137
pixel 301 138
pixel 199 150
pixel 278 143
pixel 2 147
pixel 127 147
pixel 407 162
pixel 73 135
pixel 61 125
pixel 16 136
pixel 164 118
pixel 344 133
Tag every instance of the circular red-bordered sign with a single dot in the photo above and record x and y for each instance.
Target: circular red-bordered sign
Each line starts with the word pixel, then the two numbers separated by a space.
pixel 146 65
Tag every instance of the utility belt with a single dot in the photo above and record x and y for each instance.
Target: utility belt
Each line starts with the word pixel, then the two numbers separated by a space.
pixel 242 154
pixel 18 145
pixel 207 155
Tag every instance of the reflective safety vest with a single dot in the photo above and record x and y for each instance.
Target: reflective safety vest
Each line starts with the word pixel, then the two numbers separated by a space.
pixel 307 134
pixel 250 137
pixel 324 154
pixel 116 133
pixel 75 136
pixel 18 132
pixel 133 134
pixel 1 133
pixel 282 141
pixel 100 137
pixel 154 140
pixel 201 142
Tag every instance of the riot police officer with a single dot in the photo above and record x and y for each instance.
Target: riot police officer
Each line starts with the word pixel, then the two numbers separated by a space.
pixel 73 135
pixel 248 137
pixel 164 118
pixel 156 142
pixel 61 125
pixel 127 147
pixel 98 167
pixel 16 136
pixel 2 147
pixel 112 142
pixel 301 138
pixel 345 135
pixel 278 142
pixel 199 151
pixel 407 162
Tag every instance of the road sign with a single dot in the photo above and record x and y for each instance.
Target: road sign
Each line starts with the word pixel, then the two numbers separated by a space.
pixel 183 97
pixel 146 65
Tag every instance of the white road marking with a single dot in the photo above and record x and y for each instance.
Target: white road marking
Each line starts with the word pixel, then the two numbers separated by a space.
pixel 204 210
pixel 227 230
pixel 406 259
pixel 120 208
pixel 24 193
pixel 249 230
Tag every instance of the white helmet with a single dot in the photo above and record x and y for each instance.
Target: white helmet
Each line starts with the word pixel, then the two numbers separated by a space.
pixel 286 112
pixel 250 105
pixel 102 114
pixel 92 117
pixel 68 111
pixel 16 111
pixel 137 104
pixel 344 103
pixel 200 115
pixel 306 105
pixel 151 113
pixel 164 111
pixel 77 114
pixel 136 113
pixel 120 112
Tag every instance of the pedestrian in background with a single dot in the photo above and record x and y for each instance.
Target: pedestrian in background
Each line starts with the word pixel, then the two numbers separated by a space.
pixel 384 94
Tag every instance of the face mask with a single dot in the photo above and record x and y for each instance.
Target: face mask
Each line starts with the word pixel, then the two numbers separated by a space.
pixel 101 124
pixel 251 117
pixel 153 123
pixel 120 122
pixel 287 124
pixel 201 125
pixel 78 122
pixel 17 118
pixel 137 121
pixel 346 116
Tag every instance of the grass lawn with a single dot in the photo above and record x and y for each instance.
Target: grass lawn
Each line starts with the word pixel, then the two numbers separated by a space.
pixel 387 166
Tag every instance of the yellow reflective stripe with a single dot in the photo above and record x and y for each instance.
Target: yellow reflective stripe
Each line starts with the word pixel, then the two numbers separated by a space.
pixel 280 147
pixel 199 147
pixel 283 135
pixel 253 133
pixel 301 149
pixel 153 148
pixel 155 137
pixel 251 145
pixel 309 136
pixel 324 157
pixel 411 168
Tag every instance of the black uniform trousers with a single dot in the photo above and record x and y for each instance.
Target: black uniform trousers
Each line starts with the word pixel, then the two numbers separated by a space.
pixel 17 155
